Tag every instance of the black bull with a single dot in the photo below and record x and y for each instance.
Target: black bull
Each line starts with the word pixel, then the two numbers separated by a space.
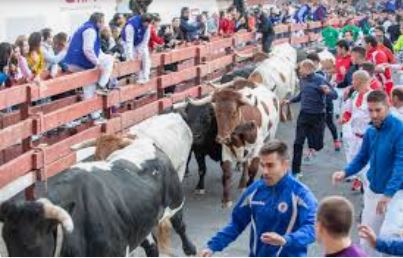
pixel 111 210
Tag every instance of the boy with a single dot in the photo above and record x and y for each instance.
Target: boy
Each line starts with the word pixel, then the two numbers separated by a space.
pixel 333 225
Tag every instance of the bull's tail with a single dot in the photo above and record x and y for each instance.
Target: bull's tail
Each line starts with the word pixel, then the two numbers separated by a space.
pixel 164 236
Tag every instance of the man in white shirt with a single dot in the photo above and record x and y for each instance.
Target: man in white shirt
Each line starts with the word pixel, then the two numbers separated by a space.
pixel 85 52
pixel 52 60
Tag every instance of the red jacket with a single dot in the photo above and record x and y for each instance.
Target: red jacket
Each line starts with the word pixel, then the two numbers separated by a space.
pixel 226 26
pixel 342 62
pixel 154 39
pixel 377 56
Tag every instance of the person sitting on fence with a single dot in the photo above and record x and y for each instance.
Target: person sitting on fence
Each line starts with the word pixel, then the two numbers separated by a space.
pixel 84 53
pixel 136 36
pixel 52 60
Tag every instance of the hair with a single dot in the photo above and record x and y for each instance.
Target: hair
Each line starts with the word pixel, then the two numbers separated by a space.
pixel 336 214
pixel 343 44
pixel 155 17
pixel 5 53
pixel 46 33
pixel 348 31
pixel 359 50
pixel 371 41
pixel 308 63
pixel 61 37
pixel 378 96
pixel 96 17
pixel 313 57
pixel 380 28
pixel 183 10
pixel 362 75
pixel 20 41
pixel 369 68
pixel 275 146
pixel 398 93
pixel 34 41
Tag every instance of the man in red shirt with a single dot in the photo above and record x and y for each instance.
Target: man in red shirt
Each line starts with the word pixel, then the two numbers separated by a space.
pixel 343 60
pixel 377 56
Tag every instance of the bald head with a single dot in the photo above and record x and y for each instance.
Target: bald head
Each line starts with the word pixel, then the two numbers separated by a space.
pixel 361 80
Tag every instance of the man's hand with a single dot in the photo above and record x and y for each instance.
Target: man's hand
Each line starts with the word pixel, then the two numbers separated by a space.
pixel 338 177
pixel 382 205
pixel 273 238
pixel 368 234
pixel 325 89
pixel 285 101
pixel 206 253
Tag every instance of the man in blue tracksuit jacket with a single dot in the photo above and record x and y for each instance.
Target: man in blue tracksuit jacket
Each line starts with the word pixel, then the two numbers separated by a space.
pixel 382 148
pixel 280 209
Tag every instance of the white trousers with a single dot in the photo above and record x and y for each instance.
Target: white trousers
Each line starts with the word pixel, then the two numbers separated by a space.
pixel 338 103
pixel 106 67
pixel 142 53
pixel 393 224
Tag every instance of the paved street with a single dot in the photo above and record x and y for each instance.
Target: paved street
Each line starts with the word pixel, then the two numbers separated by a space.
pixel 204 215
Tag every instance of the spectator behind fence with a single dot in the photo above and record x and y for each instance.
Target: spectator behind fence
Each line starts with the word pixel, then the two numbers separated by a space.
pixel 15 76
pixel 267 30
pixel 5 54
pixel 155 40
pixel 188 28
pixel 84 53
pixel 35 57
pixel 52 60
pixel 22 43
pixel 334 220
pixel 136 36
pixel 118 20
pixel 212 23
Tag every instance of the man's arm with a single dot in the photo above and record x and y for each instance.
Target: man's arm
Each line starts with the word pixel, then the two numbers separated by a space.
pixel 240 218
pixel 89 38
pixel 305 234
pixel 396 180
pixel 390 246
pixel 361 159
pixel 296 98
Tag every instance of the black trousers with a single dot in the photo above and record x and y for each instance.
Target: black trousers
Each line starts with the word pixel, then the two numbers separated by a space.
pixel 331 125
pixel 267 40
pixel 309 126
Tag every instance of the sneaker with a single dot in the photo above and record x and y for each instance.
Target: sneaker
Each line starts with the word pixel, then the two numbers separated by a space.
pixel 337 145
pixel 356 185
pixel 309 157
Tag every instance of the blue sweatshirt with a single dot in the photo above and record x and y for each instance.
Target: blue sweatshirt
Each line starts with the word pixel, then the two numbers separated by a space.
pixel 390 246
pixel 288 209
pixel 311 96
pixel 383 149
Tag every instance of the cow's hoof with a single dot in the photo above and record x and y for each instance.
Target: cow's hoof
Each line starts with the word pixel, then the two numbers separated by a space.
pixel 190 250
pixel 200 191
pixel 227 205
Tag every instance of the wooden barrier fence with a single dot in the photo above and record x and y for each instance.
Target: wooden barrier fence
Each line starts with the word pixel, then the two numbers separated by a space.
pixel 24 164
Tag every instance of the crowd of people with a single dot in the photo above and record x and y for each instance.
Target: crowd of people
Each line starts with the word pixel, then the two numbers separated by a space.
pixel 360 89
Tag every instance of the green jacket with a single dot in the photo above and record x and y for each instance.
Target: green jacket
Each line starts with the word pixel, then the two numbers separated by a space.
pixel 356 31
pixel 330 36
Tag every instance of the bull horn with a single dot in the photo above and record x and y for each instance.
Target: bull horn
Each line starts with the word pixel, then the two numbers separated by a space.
pixel 57 213
pixel 200 102
pixel 220 86
pixel 245 56
pixel 180 105
pixel 83 145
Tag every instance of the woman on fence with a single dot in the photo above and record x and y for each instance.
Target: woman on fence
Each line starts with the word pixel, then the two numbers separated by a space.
pixel 22 44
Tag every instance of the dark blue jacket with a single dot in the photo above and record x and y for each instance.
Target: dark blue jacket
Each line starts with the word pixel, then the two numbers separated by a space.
pixel 288 208
pixel 302 14
pixel 311 96
pixel 75 54
pixel 390 246
pixel 190 31
pixel 139 29
pixel 383 149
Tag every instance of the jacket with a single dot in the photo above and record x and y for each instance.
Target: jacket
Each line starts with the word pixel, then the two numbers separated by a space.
pixel 390 246
pixel 383 149
pixel 139 30
pixel 189 30
pixel 288 208
pixel 311 96
pixel 75 53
